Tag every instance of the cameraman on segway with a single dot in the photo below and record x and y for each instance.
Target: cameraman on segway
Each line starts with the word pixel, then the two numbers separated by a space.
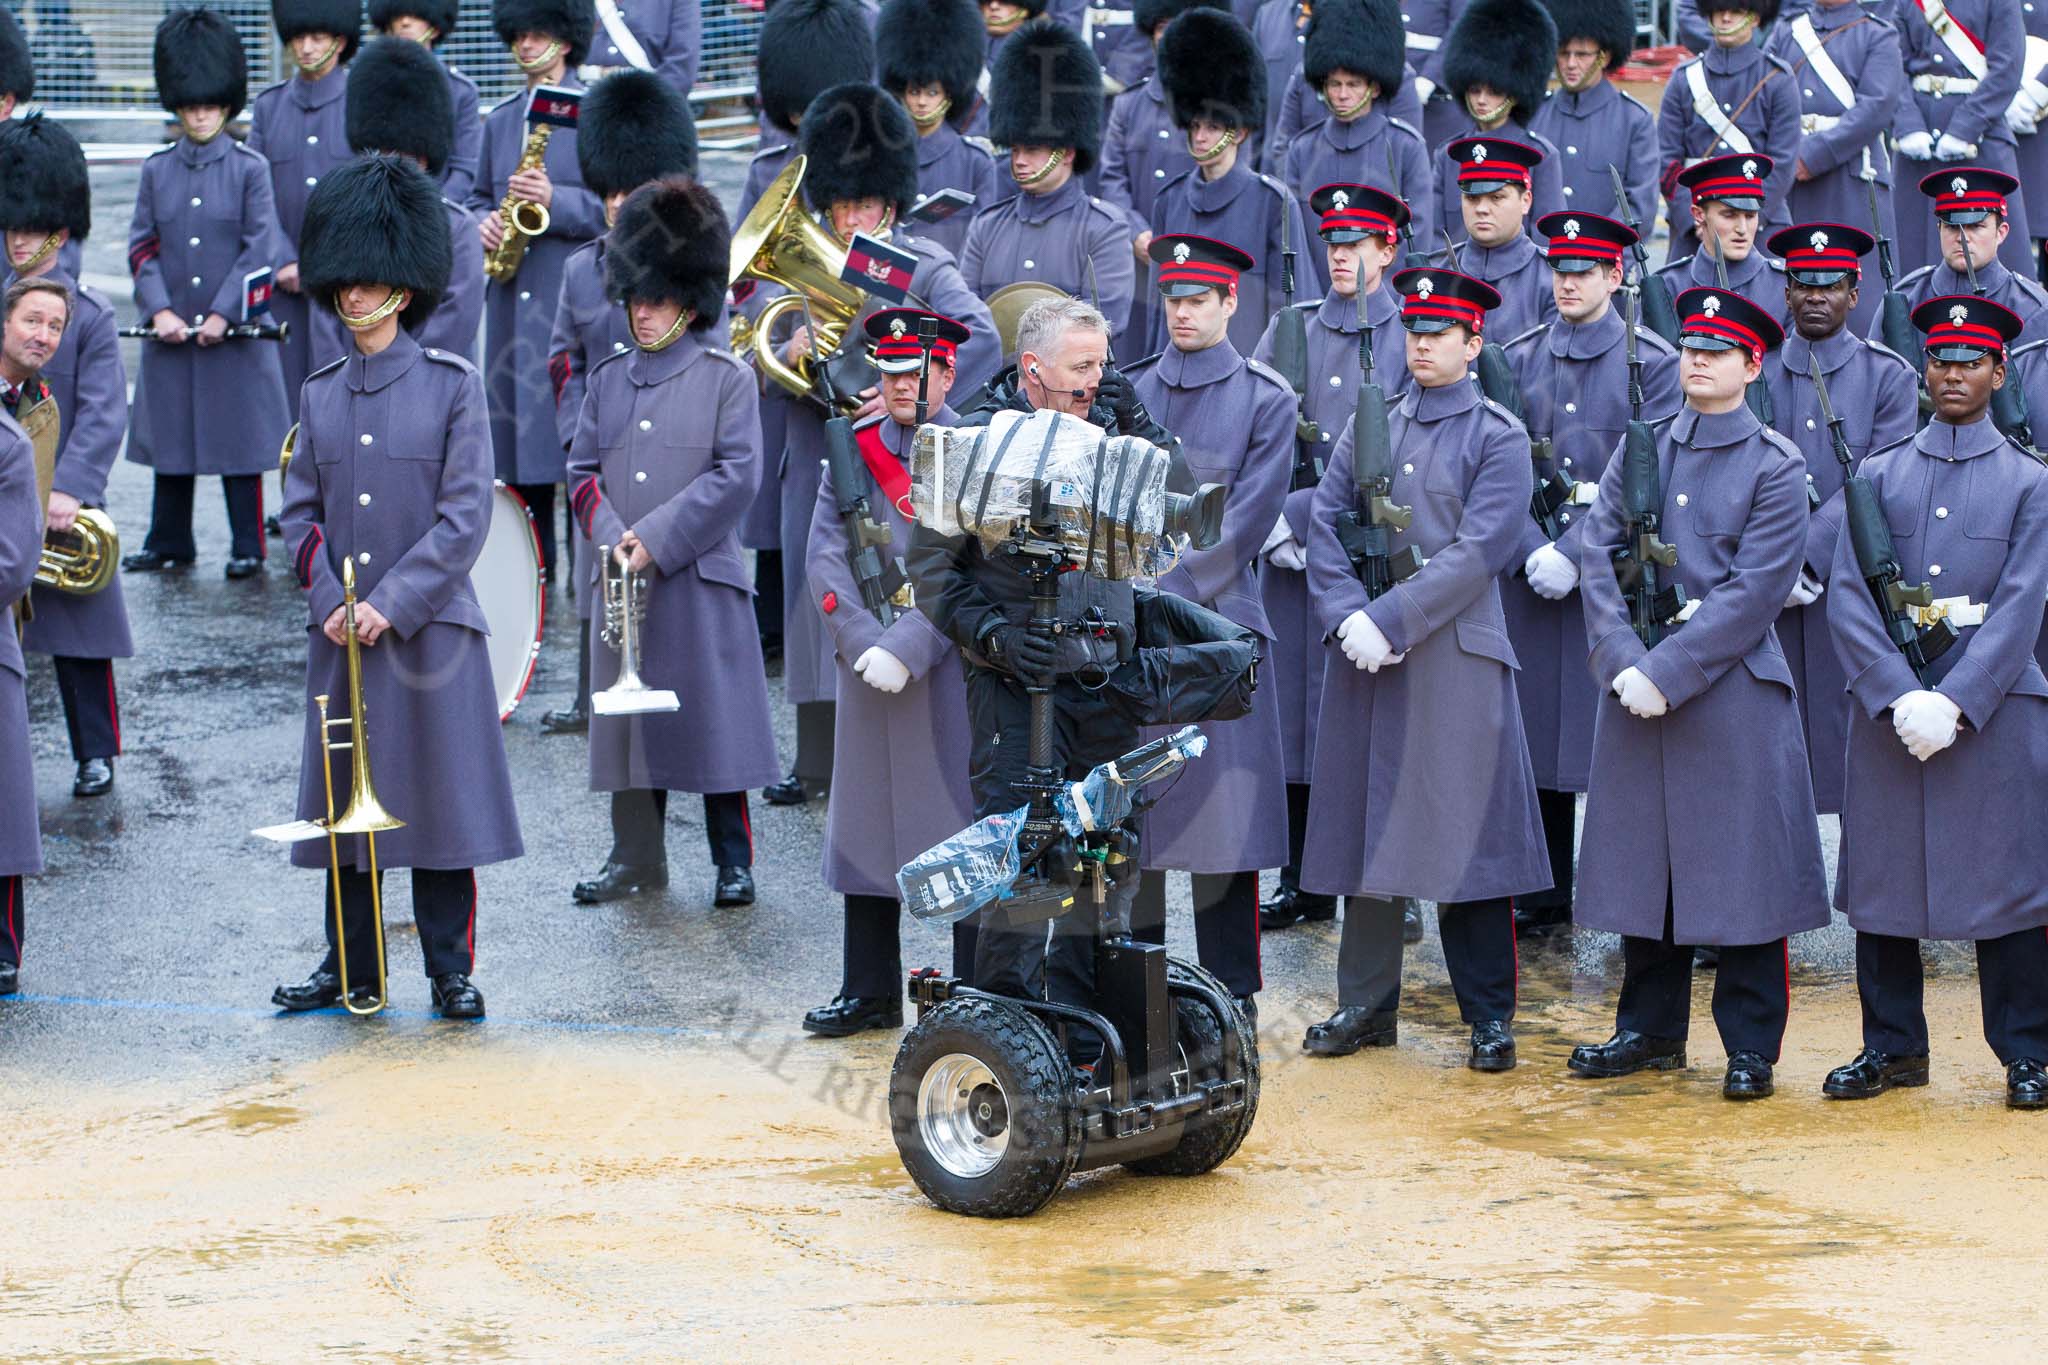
pixel 983 604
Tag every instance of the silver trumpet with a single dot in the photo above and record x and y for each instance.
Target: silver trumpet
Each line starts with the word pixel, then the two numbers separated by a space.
pixel 625 609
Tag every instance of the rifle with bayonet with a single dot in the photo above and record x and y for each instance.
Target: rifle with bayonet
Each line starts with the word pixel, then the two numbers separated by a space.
pixel 882 582
pixel 2008 404
pixel 1652 607
pixel 1660 314
pixel 1895 318
pixel 1290 358
pixel 1410 257
pixel 1553 492
pixel 1366 529
pixel 1870 536
pixel 1757 395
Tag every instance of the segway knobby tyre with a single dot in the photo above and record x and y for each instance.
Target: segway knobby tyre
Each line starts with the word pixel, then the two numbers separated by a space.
pixel 985 1109
pixel 1208 1140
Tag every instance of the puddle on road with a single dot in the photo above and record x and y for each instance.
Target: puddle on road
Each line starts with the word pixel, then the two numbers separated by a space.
pixel 525 1197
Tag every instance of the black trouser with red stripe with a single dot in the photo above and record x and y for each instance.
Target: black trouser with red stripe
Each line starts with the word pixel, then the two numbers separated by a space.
pixel 2012 981
pixel 170 516
pixel 12 920
pixel 1479 949
pixel 91 713
pixel 639 838
pixel 1752 991
pixel 873 961
pixel 540 500
pixel 443 906
pixel 1226 924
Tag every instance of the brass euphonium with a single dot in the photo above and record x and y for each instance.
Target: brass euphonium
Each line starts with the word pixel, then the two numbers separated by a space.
pixel 781 244
pixel 81 561
pixel 523 219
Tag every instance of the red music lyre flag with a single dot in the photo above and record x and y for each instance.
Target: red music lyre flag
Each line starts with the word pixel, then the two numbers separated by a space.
pixel 879 268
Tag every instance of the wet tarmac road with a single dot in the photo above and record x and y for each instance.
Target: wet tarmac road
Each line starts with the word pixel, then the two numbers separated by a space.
pixel 640 1155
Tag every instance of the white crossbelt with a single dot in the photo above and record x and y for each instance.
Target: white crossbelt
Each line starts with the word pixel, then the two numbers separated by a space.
pixel 1709 109
pixel 1424 42
pixel 1820 63
pixel 621 36
pixel 1954 39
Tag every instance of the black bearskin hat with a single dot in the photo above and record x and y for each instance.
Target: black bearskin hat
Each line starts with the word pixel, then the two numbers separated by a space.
pixel 377 220
pixel 806 47
pixel 398 101
pixel 572 22
pixel 17 67
pixel 858 140
pixel 1046 91
pixel 199 61
pixel 1510 45
pixel 43 168
pixel 1212 69
pixel 671 242
pixel 931 42
pixel 345 17
pixel 1148 15
pixel 635 127
pixel 440 15
pixel 1609 24
pixel 1364 37
pixel 1766 11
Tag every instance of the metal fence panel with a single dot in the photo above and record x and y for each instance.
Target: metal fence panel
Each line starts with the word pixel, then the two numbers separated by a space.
pixel 94 55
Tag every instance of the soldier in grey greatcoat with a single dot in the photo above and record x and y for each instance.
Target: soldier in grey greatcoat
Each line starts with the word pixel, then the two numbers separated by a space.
pixel 928 54
pixel 21 548
pixel 47 206
pixel 1699 814
pixel 902 698
pixel 298 126
pixel 1498 61
pixel 1727 207
pixel 1591 122
pixel 430 22
pixel 1574 378
pixel 1225 818
pixel 1948 767
pixel 1422 780
pixel 204 226
pixel 1976 213
pixel 548 39
pixel 1350 57
pixel 633 128
pixel 663 465
pixel 664 37
pixel 1875 393
pixel 1494 181
pixel 1734 99
pixel 390 490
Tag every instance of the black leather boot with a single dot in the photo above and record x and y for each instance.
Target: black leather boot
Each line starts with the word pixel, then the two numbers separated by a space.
pixel 1748 1078
pixel 1493 1046
pixel 735 886
pixel 456 997
pixel 620 880
pixel 1291 906
pixel 1349 1029
pixel 1626 1053
pixel 1873 1073
pixel 848 1015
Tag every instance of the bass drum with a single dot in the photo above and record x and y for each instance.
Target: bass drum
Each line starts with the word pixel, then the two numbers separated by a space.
pixel 507 579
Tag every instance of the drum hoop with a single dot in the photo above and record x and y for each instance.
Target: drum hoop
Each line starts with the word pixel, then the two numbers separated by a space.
pixel 532 661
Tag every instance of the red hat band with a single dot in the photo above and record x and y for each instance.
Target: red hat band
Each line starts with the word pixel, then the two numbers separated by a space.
pixel 1493 170
pixel 907 347
pixel 1184 268
pixel 1714 325
pixel 1824 258
pixel 1358 220
pixel 1447 309
pixel 1571 246
pixel 1983 201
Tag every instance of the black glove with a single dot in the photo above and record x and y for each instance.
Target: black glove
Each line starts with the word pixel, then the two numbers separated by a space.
pixel 1028 655
pixel 1116 393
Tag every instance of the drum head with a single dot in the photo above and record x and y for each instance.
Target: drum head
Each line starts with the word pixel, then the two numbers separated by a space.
pixel 508 586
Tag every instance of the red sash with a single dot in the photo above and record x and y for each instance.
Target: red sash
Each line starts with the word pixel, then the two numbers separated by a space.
pixel 889 473
pixel 1975 41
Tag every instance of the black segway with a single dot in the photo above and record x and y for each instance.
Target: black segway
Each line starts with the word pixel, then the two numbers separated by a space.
pixel 990 1117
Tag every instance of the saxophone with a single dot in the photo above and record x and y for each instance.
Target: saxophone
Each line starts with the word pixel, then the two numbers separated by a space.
pixel 523 219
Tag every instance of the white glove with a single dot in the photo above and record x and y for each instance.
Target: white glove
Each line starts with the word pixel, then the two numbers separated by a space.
pixel 1364 644
pixel 1953 148
pixel 1639 694
pixel 1918 146
pixel 1290 555
pixel 2022 114
pixel 1424 88
pixel 1926 723
pixel 1551 573
pixel 1806 591
pixel 881 670
pixel 1281 533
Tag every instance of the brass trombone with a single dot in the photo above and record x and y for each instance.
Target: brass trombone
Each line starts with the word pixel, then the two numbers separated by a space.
pixel 365 815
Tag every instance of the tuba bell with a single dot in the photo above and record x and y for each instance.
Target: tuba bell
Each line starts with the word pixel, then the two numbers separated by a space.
pixel 779 243
pixel 81 561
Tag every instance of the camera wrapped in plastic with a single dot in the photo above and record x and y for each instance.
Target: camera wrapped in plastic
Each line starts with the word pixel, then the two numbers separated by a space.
pixel 1107 496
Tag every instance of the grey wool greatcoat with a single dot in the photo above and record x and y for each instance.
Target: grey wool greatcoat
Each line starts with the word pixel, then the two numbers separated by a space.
pixel 1757 277
pixel 1759 95
pixel 1373 149
pixel 519 314
pixel 1841 143
pixel 908 751
pixel 1574 381
pixel 203 221
pixel 1293 674
pixel 90 384
pixel 1235 421
pixel 670 34
pixel 1301 108
pixel 808 674
pixel 762 528
pixel 1875 393
pixel 1140 153
pixel 1595 129
pixel 458 177
pixel 453 324
pixel 2031 149
pixel 1422 779
pixel 1246 210
pixel 668 446
pixel 589 329
pixel 948 161
pixel 1712 799
pixel 1519 270
pixel 1068 239
pixel 21 546
pixel 393 471
pixel 300 128
pixel 2020 293
pixel 1951 848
